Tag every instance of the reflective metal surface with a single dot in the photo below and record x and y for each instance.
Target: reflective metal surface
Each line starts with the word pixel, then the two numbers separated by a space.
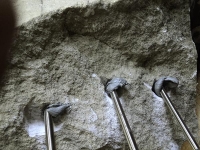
pixel 50 142
pixel 124 122
pixel 179 119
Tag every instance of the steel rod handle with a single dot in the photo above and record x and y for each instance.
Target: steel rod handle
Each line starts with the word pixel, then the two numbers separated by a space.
pixel 124 123
pixel 179 119
pixel 49 131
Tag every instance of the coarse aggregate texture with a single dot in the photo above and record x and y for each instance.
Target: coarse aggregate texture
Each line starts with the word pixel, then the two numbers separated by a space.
pixel 60 57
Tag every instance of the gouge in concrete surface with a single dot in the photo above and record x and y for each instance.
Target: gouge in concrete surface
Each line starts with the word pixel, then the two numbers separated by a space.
pixel 52 111
pixel 111 88
pixel 159 89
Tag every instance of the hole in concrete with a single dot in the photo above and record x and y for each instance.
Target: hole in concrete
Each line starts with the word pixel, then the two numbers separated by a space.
pixel 34 121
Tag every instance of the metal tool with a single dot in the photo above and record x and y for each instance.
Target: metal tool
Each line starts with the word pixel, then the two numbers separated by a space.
pixel 49 131
pixel 124 123
pixel 52 111
pixel 111 87
pixel 179 119
pixel 159 89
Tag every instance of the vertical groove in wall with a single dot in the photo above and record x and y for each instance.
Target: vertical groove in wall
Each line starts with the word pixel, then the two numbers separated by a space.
pixel 41 5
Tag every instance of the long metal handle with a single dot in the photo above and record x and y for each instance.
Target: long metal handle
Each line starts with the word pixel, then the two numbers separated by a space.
pixel 124 122
pixel 179 119
pixel 49 131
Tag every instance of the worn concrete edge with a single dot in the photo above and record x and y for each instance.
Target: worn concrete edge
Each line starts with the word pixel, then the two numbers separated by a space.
pixel 23 16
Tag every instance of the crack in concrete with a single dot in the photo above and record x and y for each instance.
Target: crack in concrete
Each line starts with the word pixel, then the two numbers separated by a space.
pixel 41 5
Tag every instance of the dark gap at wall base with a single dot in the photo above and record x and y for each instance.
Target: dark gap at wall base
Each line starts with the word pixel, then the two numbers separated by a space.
pixel 195 27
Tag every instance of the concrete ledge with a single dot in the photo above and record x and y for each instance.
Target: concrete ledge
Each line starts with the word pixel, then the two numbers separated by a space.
pixel 26 10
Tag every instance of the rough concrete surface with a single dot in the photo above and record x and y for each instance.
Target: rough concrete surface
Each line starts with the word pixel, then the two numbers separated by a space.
pixel 60 57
